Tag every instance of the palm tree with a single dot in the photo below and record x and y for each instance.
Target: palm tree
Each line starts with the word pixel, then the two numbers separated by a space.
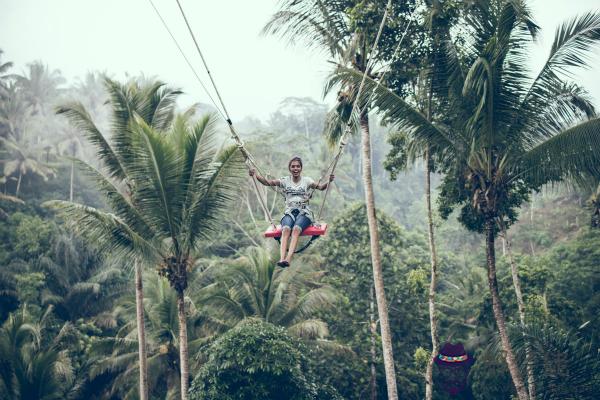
pixel 153 103
pixel 22 163
pixel 3 76
pixel 508 132
pixel 564 363
pixel 328 25
pixel 40 85
pixel 252 286
pixel 14 111
pixel 178 186
pixel 117 355
pixel 30 368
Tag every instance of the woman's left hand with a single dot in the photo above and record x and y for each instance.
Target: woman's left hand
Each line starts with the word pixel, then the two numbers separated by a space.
pixel 331 177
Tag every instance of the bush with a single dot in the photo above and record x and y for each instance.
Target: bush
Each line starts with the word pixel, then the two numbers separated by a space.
pixel 257 360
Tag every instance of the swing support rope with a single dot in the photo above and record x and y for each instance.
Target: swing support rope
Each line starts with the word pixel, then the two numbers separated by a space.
pixel 348 129
pixel 249 160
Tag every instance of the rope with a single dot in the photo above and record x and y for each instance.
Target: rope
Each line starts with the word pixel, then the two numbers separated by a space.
pixel 186 59
pixel 354 107
pixel 225 114
pixel 342 143
pixel 240 144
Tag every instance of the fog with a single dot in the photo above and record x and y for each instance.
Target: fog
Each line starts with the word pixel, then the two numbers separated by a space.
pixel 254 73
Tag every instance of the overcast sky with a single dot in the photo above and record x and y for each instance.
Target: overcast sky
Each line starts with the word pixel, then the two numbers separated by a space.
pixel 254 73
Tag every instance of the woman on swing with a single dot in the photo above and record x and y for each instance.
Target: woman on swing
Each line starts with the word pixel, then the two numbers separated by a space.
pixel 297 215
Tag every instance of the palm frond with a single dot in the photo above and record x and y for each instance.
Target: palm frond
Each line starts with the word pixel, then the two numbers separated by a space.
pixel 570 154
pixel 402 115
pixel 158 105
pixel 81 119
pixel 572 48
pixel 213 194
pixel 111 233
pixel 315 22
pixel 573 44
pixel 310 329
pixel 155 173
pixel 118 201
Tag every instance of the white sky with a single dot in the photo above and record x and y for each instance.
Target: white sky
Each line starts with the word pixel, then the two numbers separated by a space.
pixel 254 73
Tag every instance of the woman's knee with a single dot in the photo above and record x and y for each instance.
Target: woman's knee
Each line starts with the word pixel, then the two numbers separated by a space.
pixel 285 229
pixel 297 230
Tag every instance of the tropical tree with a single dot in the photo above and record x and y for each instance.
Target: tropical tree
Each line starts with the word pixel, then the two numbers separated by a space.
pixel 178 186
pixel 22 163
pixel 346 31
pixel 438 19
pixel 14 111
pixel 116 356
pixel 253 286
pixel 4 66
pixel 508 133
pixel 40 85
pixel 258 360
pixel 153 103
pixel 31 368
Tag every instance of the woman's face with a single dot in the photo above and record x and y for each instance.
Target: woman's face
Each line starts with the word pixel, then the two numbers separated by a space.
pixel 295 168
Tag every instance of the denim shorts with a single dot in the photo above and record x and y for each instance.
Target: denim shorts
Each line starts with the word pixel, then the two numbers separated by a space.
pixel 301 220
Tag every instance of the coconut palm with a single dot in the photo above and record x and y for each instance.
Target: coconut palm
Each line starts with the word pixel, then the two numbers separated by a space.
pixel 565 364
pixel 153 103
pixel 505 132
pixel 117 356
pixel 30 368
pixel 22 163
pixel 178 186
pixel 253 286
pixel 40 85
pixel 346 32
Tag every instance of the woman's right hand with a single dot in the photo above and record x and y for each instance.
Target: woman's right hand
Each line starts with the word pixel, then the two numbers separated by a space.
pixel 251 171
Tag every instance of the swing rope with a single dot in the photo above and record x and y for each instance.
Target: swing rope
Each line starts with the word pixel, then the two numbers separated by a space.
pixel 348 129
pixel 249 160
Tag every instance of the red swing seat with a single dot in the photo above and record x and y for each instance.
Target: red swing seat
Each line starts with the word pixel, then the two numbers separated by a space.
pixel 312 230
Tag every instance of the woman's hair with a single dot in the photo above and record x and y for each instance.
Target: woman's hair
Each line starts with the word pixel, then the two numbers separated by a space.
pixel 295 159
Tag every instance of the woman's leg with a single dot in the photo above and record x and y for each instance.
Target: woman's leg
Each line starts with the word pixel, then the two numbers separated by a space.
pixel 286 227
pixel 301 223
pixel 296 231
pixel 285 235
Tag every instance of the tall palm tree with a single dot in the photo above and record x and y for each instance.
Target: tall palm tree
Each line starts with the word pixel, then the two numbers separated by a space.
pixel 252 286
pixel 117 355
pixel 178 186
pixel 40 85
pixel 153 103
pixel 508 132
pixel 329 26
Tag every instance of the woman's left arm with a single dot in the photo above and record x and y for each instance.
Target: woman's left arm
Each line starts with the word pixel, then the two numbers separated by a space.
pixel 323 185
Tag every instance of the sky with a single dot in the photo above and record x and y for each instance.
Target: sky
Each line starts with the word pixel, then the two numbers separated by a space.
pixel 253 73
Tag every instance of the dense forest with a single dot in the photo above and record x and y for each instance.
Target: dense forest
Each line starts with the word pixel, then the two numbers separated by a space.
pixel 465 209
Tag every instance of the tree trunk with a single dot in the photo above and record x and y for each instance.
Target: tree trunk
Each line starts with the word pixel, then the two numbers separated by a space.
pixel 18 184
pixel 432 284
pixel 373 331
pixel 499 316
pixel 521 306
pixel 71 185
pixel 139 308
pixel 183 345
pixel 386 337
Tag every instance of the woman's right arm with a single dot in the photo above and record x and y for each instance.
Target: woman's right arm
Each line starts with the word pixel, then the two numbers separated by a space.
pixel 263 180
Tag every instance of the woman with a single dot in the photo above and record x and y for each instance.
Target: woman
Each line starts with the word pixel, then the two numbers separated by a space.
pixel 297 216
